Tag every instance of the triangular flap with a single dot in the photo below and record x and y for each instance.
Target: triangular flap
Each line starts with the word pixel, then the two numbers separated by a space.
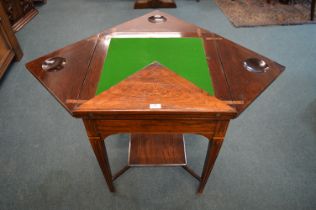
pixel 65 83
pixel 245 85
pixel 154 88
pixel 171 24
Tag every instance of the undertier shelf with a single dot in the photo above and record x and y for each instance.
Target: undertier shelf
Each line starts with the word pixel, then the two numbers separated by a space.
pixel 157 150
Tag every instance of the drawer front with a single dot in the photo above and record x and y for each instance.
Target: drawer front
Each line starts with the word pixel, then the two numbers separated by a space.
pixel 155 126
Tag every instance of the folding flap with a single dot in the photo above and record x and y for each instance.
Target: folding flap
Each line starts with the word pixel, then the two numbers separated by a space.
pixel 154 89
pixel 166 23
pixel 247 73
pixel 63 72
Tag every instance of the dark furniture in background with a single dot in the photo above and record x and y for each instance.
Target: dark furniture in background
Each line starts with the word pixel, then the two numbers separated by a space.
pixel 9 46
pixel 313 9
pixel 144 4
pixel 19 12
pixel 40 1
pixel 313 2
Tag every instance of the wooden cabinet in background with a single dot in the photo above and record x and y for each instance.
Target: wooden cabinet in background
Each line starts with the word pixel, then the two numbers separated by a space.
pixel 9 46
pixel 19 12
pixel 40 1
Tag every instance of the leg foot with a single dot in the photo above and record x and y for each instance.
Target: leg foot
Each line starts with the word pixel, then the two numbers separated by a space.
pixel 102 157
pixel 214 147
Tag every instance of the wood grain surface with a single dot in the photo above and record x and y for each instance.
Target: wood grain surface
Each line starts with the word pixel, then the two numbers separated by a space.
pixel 66 83
pixel 156 150
pixel 155 84
pixel 77 82
pixel 244 85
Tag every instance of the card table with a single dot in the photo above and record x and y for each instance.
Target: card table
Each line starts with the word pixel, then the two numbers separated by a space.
pixel 155 77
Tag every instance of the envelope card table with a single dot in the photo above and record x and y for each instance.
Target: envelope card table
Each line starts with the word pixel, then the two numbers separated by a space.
pixel 155 77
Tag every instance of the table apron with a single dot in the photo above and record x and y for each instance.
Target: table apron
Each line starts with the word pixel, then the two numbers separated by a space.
pixel 154 126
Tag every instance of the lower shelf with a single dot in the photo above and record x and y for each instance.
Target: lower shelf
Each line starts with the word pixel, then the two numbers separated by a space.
pixel 157 150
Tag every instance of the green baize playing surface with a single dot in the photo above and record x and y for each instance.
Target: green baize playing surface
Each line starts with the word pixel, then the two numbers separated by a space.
pixel 185 56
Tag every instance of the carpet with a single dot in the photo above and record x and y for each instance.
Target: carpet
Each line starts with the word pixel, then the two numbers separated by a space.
pixel 247 13
pixel 267 160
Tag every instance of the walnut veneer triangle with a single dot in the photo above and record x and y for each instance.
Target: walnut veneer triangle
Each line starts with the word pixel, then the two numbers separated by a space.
pixel 155 84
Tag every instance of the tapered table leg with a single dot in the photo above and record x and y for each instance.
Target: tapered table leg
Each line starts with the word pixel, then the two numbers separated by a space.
pixel 102 157
pixel 214 146
pixel 213 149
pixel 99 149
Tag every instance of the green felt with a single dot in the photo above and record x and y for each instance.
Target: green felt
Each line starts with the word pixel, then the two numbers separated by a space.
pixel 184 56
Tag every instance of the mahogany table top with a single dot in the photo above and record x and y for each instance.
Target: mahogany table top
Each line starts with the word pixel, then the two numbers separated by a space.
pixel 236 85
